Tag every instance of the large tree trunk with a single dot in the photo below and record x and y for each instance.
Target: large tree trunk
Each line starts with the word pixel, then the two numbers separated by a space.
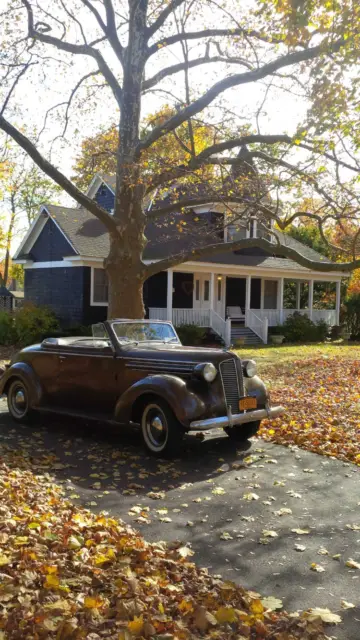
pixel 126 278
pixel 124 264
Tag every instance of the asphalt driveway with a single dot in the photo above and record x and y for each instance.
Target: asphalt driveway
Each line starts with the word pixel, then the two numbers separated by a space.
pixel 280 521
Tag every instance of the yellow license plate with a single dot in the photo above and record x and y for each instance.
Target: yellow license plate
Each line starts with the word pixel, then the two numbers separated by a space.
pixel 247 403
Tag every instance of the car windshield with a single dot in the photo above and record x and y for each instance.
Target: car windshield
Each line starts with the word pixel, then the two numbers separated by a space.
pixel 127 332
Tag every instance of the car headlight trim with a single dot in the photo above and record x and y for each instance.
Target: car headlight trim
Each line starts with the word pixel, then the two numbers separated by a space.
pixel 207 371
pixel 250 368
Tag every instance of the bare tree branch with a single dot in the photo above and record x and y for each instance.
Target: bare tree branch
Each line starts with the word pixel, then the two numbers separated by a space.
pixel 259 243
pixel 77 49
pixel 181 66
pixel 209 33
pixel 14 85
pixel 233 81
pixel 158 23
pixel 77 86
pixel 57 176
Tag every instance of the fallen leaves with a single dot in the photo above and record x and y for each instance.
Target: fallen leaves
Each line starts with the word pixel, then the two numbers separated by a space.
pixel 317 567
pixel 324 614
pixel 80 574
pixel 352 564
pixel 322 405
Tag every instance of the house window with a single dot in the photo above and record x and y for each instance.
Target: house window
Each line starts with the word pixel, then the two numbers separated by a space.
pixel 253 228
pixel 100 287
pixel 197 290
pixel 206 290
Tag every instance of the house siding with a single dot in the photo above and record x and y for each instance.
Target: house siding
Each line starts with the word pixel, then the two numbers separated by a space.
pixel 105 198
pixel 61 289
pixel 51 245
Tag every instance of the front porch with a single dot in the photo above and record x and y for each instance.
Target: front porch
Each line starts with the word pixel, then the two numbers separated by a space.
pixel 220 300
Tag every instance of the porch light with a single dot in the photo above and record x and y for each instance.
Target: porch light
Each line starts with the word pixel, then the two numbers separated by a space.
pixel 219 278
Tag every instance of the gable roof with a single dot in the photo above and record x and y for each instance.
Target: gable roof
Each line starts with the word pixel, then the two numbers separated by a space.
pixel 89 238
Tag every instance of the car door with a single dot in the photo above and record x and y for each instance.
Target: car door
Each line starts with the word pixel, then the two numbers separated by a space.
pixel 88 379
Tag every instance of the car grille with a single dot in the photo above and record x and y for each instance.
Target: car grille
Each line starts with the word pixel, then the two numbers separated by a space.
pixel 232 385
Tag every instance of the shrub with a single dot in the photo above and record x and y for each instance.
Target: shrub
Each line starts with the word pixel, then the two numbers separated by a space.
pixel 299 328
pixel 352 315
pixel 33 324
pixel 190 334
pixel 7 328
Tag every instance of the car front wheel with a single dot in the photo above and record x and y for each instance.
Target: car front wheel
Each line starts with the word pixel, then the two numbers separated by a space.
pixel 243 432
pixel 18 402
pixel 161 431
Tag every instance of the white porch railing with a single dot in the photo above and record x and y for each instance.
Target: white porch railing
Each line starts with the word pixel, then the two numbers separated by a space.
pixel 156 313
pixel 257 325
pixel 219 325
pixel 272 316
pixel 200 317
pixel 329 315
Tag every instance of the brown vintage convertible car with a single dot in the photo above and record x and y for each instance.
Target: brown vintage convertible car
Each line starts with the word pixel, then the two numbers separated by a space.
pixel 137 372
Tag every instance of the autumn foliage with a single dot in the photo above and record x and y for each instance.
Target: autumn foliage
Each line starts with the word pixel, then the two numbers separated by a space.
pixel 67 574
pixel 322 398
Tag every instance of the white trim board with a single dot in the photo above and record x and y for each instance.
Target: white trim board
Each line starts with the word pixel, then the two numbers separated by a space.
pixel 35 230
pixel 92 302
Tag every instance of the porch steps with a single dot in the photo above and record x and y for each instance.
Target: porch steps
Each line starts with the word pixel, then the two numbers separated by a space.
pixel 239 332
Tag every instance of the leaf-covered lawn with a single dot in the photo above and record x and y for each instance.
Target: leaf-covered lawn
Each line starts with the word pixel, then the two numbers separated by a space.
pixel 322 398
pixel 68 574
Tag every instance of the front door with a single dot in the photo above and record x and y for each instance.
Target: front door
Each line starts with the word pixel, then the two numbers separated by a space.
pixel 201 291
pixel 236 292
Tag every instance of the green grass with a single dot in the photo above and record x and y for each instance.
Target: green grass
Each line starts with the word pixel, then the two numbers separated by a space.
pixel 269 355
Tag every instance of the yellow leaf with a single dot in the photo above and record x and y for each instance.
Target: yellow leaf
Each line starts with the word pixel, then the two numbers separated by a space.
pixel 225 614
pixel 185 606
pixel 256 607
pixel 4 560
pixel 92 602
pixel 21 540
pixel 51 569
pixel 136 626
pixel 51 582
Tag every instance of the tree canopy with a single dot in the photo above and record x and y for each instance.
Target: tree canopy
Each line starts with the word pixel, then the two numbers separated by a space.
pixel 224 66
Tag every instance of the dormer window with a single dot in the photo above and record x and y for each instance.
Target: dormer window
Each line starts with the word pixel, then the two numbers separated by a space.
pixel 253 228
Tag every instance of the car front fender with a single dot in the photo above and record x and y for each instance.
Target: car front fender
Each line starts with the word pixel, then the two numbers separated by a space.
pixel 23 372
pixel 183 401
pixel 255 387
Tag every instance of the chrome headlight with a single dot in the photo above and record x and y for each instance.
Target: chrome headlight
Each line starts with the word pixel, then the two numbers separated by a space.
pixel 250 368
pixel 207 371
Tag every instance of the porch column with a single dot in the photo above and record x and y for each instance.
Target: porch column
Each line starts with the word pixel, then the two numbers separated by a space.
pixel 281 300
pixel 338 302
pixel 311 298
pixel 212 286
pixel 298 290
pixel 248 293
pixel 262 293
pixel 169 297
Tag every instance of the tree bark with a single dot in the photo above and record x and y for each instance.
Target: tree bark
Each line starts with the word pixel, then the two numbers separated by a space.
pixel 9 236
pixel 124 265
pixel 126 277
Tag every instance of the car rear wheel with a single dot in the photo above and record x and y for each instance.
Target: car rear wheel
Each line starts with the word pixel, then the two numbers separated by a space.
pixel 243 432
pixel 18 402
pixel 161 431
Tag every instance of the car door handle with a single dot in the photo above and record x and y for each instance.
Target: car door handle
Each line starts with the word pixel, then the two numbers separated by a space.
pixel 61 358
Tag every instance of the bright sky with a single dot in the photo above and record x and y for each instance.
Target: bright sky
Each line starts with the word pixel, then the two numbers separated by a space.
pixel 43 88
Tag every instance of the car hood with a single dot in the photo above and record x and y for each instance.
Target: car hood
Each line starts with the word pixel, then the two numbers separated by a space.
pixel 176 352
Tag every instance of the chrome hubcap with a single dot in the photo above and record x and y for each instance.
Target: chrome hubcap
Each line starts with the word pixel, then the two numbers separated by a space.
pixel 155 427
pixel 19 401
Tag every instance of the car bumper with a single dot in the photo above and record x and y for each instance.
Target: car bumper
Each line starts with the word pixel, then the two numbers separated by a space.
pixel 231 420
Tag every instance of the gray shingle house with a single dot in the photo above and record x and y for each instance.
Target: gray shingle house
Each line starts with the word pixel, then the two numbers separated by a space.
pixel 233 293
